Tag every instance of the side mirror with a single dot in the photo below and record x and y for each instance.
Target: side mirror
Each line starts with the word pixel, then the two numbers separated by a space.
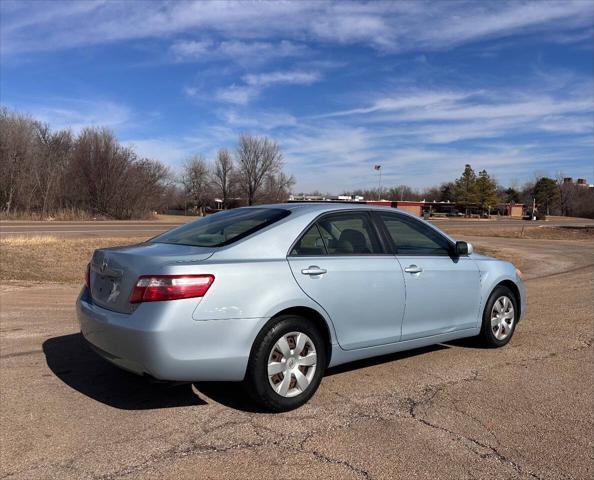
pixel 463 249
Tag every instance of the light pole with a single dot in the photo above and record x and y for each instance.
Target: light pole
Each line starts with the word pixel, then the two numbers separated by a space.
pixel 379 189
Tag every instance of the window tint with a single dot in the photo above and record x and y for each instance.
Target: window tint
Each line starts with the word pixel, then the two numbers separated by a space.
pixel 412 237
pixel 222 228
pixel 349 234
pixel 311 243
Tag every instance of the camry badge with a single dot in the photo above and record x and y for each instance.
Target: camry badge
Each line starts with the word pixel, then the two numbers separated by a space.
pixel 115 292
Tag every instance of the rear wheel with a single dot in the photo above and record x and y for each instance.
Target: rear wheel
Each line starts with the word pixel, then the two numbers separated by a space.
pixel 287 364
pixel 499 317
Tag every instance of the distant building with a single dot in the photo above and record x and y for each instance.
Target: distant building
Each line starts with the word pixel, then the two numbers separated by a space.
pixel 580 182
pixel 419 208
pixel 326 198
pixel 449 209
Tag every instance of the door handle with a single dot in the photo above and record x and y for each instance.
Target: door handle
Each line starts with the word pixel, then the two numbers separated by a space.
pixel 313 270
pixel 413 269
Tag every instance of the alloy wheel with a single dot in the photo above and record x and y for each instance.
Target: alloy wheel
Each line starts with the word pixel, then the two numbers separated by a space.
pixel 292 364
pixel 502 317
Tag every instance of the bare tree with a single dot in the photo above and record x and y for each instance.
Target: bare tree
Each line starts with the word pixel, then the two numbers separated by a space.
pixel 52 162
pixel 195 178
pixel 278 187
pixel 223 176
pixel 257 157
pixel 43 172
pixel 17 145
pixel 101 164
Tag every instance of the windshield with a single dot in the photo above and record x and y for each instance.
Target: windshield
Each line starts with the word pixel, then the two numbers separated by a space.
pixel 222 228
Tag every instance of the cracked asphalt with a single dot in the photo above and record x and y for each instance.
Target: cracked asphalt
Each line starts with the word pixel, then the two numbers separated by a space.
pixel 448 411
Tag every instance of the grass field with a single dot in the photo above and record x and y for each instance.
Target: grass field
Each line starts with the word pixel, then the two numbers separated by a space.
pixel 540 232
pixel 53 259
pixel 63 260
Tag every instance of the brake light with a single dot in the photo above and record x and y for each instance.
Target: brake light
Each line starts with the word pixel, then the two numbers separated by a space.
pixel 88 276
pixel 156 288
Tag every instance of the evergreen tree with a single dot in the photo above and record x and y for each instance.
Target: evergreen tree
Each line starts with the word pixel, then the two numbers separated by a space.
pixel 512 195
pixel 447 192
pixel 546 192
pixel 486 190
pixel 465 187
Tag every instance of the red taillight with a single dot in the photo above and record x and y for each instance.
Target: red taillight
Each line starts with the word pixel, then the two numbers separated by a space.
pixel 155 288
pixel 88 276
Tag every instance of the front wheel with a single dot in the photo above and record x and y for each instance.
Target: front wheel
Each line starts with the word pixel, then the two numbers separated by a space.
pixel 287 364
pixel 499 317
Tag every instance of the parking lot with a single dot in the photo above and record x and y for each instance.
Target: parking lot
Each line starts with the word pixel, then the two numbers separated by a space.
pixel 447 411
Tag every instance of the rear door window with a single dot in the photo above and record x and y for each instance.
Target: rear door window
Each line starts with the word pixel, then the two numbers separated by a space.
pixel 349 233
pixel 310 244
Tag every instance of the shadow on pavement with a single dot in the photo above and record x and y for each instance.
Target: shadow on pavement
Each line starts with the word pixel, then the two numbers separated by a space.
pixel 391 357
pixel 468 342
pixel 73 362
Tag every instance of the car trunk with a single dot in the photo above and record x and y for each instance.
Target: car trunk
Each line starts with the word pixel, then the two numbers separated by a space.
pixel 115 271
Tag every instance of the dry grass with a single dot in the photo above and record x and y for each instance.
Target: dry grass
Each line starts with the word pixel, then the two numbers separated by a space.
pixel 58 259
pixel 48 258
pixel 67 214
pixel 55 259
pixel 542 233
pixel 518 260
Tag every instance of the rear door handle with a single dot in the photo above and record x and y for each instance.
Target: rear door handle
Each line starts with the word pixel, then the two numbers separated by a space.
pixel 413 269
pixel 313 270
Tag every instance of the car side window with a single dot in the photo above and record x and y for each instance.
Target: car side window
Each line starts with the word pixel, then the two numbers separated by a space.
pixel 411 237
pixel 350 233
pixel 310 243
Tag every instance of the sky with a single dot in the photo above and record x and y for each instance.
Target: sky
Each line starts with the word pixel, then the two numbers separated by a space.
pixel 421 88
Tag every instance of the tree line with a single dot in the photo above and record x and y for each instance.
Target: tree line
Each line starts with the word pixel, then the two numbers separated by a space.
pixel 45 173
pixel 252 174
pixel 552 196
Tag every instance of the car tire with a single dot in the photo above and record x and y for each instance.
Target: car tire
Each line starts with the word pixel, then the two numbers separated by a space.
pixel 500 318
pixel 281 373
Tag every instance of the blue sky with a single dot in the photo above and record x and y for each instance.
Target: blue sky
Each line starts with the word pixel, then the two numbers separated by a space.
pixel 420 88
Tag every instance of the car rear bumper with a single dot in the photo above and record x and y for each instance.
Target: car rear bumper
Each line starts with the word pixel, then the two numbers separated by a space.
pixel 161 339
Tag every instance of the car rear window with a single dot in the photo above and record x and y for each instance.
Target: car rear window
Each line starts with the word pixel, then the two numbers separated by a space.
pixel 222 228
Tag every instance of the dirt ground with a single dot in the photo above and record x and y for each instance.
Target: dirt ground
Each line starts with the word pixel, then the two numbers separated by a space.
pixel 447 411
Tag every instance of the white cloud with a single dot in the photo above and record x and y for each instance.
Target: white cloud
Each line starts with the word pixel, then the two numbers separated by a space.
pixel 247 53
pixel 387 26
pixel 255 83
pixel 237 94
pixel 442 117
pixel 168 150
pixel 193 50
pixel 75 114
pixel 289 78
pixel 259 121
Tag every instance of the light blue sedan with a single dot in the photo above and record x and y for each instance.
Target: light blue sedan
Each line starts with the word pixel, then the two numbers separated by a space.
pixel 273 295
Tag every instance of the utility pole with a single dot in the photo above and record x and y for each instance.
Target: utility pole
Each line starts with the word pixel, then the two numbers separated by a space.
pixel 379 189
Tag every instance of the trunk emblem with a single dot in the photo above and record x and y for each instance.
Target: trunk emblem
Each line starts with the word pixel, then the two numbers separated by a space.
pixel 103 266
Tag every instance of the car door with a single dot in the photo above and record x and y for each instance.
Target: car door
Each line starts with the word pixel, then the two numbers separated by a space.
pixel 341 264
pixel 442 290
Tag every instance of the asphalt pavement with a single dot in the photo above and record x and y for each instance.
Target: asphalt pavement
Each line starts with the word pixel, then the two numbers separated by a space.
pixel 448 411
